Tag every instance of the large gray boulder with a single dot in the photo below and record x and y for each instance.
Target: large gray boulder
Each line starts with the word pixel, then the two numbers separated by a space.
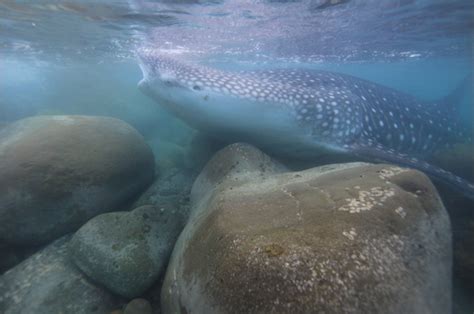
pixel 57 172
pixel 348 238
pixel 127 251
pixel 47 282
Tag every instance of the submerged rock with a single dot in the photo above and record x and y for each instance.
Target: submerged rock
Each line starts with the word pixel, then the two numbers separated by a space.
pixel 170 190
pixel 57 172
pixel 47 282
pixel 459 159
pixel 138 306
pixel 461 213
pixel 462 220
pixel 127 251
pixel 348 238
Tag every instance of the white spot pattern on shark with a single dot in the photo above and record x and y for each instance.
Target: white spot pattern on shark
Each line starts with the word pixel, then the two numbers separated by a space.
pixel 337 111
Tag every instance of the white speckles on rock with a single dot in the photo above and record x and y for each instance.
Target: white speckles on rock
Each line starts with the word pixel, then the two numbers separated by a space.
pixel 401 211
pixel 366 200
pixel 351 234
pixel 389 172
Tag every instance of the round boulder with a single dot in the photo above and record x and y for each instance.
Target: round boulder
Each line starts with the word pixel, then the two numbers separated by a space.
pixel 138 306
pixel 127 251
pixel 349 238
pixel 47 282
pixel 57 172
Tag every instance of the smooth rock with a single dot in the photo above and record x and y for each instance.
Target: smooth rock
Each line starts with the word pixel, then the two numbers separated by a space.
pixel 57 172
pixel 348 238
pixel 127 251
pixel 234 165
pixel 463 259
pixel 47 282
pixel 138 306
pixel 459 159
pixel 461 213
pixel 171 189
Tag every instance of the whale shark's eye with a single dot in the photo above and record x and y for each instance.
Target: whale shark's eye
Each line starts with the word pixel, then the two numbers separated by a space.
pixel 172 83
pixel 197 87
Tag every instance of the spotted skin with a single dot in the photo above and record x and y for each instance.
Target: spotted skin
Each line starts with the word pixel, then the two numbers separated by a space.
pixel 336 111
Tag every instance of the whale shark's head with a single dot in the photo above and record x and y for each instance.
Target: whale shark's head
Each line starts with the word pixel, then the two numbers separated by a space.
pixel 172 84
pixel 209 99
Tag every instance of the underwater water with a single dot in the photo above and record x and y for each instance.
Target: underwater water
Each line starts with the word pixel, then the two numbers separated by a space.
pixel 115 201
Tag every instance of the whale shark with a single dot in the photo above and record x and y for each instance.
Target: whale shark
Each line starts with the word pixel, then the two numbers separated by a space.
pixel 301 111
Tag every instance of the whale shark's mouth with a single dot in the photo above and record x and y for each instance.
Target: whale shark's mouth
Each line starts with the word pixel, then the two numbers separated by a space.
pixel 152 75
pixel 167 81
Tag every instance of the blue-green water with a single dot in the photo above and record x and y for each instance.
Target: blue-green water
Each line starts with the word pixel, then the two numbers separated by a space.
pixel 109 88
pixel 78 58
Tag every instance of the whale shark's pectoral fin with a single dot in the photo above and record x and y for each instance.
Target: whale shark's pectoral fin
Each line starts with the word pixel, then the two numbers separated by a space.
pixel 380 153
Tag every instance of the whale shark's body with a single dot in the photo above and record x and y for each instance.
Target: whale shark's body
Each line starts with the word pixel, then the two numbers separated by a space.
pixel 306 112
